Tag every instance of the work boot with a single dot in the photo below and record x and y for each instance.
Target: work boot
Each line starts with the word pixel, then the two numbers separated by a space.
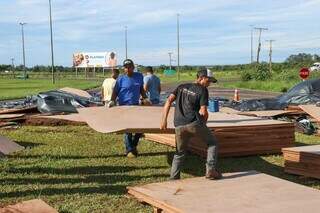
pixel 213 175
pixel 131 155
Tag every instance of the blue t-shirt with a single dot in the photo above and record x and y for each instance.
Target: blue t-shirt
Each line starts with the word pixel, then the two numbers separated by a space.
pixel 153 84
pixel 128 89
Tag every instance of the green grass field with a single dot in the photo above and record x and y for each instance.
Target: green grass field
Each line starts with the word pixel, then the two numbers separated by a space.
pixel 16 88
pixel 75 169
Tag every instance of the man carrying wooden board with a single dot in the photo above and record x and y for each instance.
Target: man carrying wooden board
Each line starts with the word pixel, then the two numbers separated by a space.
pixel 190 119
pixel 128 89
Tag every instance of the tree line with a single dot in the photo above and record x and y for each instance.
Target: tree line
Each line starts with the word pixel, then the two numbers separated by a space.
pixel 293 61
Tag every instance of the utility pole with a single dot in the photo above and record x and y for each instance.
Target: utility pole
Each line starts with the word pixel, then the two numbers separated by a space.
pixel 251 27
pixel 12 66
pixel 259 45
pixel 51 37
pixel 170 53
pixel 23 51
pixel 178 45
pixel 270 54
pixel 126 41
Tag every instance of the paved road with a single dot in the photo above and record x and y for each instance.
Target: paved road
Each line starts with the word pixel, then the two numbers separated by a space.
pixel 215 91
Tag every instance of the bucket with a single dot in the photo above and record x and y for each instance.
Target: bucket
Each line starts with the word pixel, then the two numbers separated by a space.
pixel 213 105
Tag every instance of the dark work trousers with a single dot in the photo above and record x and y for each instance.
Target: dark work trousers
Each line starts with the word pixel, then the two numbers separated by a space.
pixel 183 134
pixel 131 141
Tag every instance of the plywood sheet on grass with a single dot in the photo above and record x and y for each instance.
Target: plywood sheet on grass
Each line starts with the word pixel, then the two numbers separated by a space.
pixel 31 206
pixel 7 146
pixel 146 119
pixel 248 192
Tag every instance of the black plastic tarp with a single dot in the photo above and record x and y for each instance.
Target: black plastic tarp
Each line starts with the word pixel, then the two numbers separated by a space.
pixel 57 101
pixel 306 92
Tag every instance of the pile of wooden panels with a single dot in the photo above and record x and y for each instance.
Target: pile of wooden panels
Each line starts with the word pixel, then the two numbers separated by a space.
pixel 248 192
pixel 240 140
pixel 304 160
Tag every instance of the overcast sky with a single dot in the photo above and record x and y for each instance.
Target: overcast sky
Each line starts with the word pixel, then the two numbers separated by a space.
pixel 211 31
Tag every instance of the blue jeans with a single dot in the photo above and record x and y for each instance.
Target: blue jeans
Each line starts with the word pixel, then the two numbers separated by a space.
pixel 131 141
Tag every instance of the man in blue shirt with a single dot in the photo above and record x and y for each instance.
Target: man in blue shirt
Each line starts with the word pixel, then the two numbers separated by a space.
pixel 128 89
pixel 152 86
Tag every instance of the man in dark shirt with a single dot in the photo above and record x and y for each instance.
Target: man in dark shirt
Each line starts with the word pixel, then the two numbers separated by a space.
pixel 190 119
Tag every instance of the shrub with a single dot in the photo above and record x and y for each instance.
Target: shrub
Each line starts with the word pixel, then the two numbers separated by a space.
pixel 262 73
pixel 247 75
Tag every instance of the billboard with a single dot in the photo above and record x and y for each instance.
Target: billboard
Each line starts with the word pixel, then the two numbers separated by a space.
pixel 94 59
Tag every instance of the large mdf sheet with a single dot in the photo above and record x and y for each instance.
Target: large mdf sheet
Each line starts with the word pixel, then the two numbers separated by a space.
pixel 247 192
pixel 70 117
pixel 146 119
pixel 78 92
pixel 7 146
pixel 30 206
pixel 312 110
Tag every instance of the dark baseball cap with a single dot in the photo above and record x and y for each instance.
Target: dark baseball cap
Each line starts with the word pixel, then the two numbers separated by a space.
pixel 128 62
pixel 206 73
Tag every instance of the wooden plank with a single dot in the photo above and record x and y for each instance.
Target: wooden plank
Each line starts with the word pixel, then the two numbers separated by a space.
pixel 20 110
pixel 10 116
pixel 248 192
pixel 31 206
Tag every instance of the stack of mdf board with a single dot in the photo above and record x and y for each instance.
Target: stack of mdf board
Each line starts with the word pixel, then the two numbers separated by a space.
pixel 304 160
pixel 240 140
pixel 248 192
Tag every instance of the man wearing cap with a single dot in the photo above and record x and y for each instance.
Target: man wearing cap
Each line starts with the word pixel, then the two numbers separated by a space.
pixel 190 119
pixel 128 89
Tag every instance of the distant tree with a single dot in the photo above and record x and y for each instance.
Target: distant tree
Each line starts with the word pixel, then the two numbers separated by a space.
pixel 301 59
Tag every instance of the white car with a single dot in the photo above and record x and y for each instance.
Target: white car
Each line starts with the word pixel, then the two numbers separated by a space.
pixel 315 67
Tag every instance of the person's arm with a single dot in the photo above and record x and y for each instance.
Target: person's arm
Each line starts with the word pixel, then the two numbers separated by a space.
pixel 143 93
pixel 204 99
pixel 102 93
pixel 204 112
pixel 166 109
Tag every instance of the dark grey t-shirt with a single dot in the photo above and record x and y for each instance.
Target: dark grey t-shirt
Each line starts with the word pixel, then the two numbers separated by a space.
pixel 189 98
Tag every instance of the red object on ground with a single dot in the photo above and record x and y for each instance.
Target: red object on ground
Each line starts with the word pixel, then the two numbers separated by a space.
pixel 304 73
